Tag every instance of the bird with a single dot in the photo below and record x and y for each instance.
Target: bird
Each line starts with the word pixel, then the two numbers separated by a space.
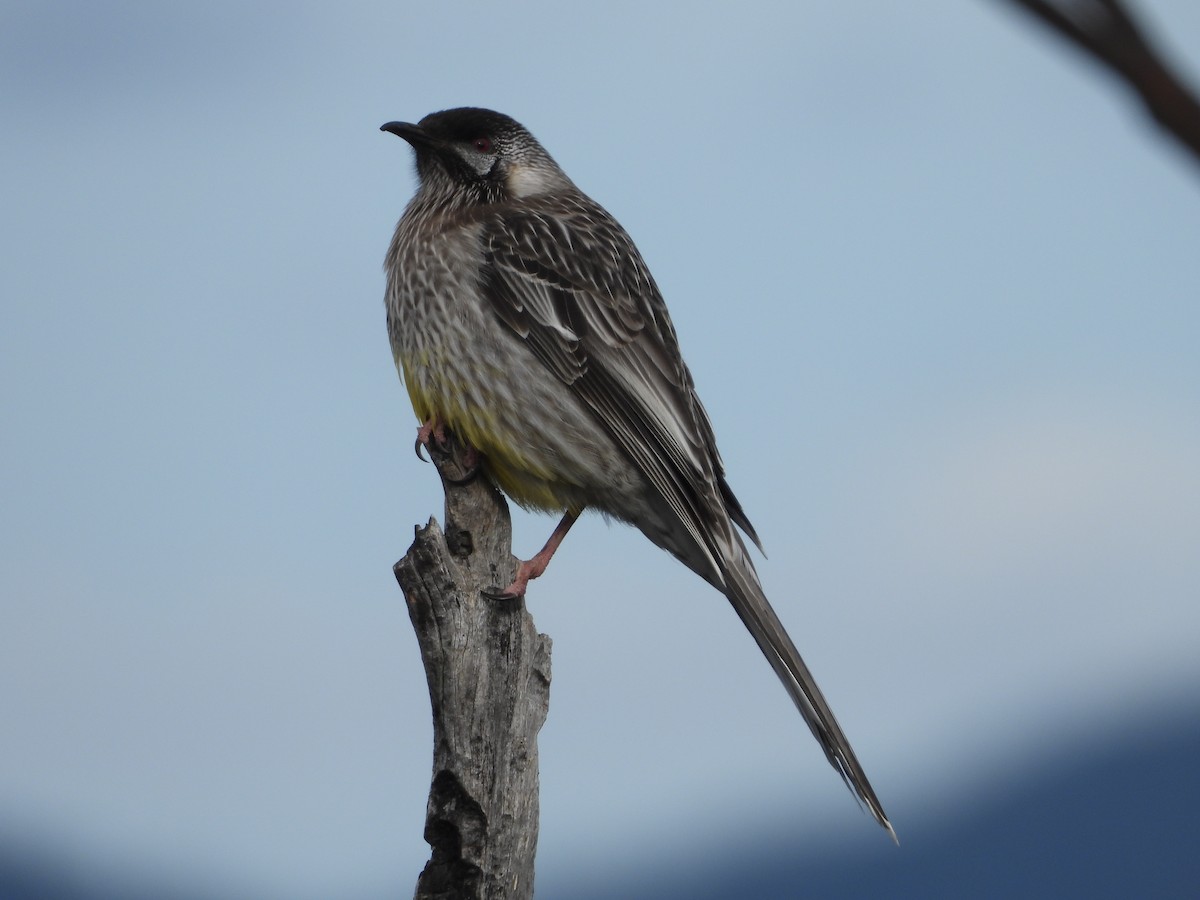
pixel 523 319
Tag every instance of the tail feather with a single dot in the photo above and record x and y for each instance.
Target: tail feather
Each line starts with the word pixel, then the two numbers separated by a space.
pixel 746 594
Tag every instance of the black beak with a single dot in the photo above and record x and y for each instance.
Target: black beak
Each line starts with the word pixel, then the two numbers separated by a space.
pixel 414 134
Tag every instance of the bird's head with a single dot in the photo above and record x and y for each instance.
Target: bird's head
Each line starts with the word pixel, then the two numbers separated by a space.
pixel 481 154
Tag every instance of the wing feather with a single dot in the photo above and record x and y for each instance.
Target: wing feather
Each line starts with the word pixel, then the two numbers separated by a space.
pixel 570 281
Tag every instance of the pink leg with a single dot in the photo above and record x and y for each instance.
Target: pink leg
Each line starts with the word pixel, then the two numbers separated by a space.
pixel 532 568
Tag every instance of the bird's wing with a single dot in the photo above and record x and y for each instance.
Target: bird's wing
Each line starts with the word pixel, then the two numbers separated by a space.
pixel 568 280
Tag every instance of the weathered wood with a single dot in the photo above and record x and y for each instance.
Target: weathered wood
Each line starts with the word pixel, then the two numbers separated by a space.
pixel 489 684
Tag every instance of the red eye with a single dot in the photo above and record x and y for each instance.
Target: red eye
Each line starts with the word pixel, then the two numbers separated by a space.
pixel 482 144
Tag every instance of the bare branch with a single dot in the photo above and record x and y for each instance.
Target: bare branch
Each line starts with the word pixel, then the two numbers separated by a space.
pixel 1110 33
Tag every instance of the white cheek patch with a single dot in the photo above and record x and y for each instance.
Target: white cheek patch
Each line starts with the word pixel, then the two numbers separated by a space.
pixel 525 181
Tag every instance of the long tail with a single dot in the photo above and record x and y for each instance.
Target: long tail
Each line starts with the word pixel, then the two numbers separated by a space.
pixel 746 594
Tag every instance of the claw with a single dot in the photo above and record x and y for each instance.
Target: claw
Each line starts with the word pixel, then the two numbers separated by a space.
pixel 434 432
pixel 498 595
pixel 433 429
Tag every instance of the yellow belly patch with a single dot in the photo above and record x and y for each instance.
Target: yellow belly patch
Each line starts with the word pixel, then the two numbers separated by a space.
pixel 528 483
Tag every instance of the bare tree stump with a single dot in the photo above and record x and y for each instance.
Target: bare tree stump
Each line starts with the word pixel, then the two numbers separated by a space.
pixel 489 683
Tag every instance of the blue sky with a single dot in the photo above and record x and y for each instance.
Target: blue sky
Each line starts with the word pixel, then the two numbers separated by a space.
pixel 936 279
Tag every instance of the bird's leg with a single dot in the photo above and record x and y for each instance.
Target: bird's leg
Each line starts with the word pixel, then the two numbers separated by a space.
pixel 532 568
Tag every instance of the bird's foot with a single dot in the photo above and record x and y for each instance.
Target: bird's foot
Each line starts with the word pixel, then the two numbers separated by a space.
pixel 433 435
pixel 533 568
pixel 431 430
pixel 526 572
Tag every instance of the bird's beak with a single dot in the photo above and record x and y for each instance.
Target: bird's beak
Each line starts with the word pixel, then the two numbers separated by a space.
pixel 414 134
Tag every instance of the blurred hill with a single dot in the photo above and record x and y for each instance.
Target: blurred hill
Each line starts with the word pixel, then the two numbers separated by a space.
pixel 1109 817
